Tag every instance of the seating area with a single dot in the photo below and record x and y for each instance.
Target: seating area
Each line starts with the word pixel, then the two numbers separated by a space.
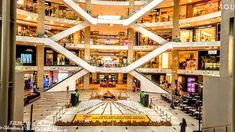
pixel 31 97
pixel 190 104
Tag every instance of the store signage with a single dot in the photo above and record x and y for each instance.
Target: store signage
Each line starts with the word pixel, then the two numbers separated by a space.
pixel 29 50
pixel 107 37
pixel 117 118
pixel 212 52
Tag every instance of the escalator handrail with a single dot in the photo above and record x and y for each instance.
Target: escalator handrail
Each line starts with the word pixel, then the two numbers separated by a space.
pixel 50 87
pixel 151 80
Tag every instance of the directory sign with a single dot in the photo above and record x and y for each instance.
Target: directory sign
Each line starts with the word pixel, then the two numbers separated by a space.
pixel 191 86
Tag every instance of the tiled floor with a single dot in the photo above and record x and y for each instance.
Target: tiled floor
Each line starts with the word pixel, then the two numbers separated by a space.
pixel 50 103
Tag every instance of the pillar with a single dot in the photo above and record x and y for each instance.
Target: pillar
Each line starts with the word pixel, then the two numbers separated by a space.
pixel 7 61
pixel 120 78
pixel 41 18
pixel 40 66
pixel 18 98
pixel 218 92
pixel 77 37
pixel 94 77
pixel 87 46
pixel 40 48
pixel 130 45
pixel 175 37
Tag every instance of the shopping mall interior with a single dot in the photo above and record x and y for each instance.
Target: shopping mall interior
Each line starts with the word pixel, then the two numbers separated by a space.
pixel 120 65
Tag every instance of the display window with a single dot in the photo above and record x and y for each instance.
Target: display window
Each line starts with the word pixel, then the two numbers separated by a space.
pixel 186 84
pixel 25 55
pixel 205 8
pixel 60 59
pixel 49 57
pixel 165 60
pixel 186 35
pixel 46 82
pixel 165 81
pixel 191 86
pixel 166 14
pixel 206 34
pixel 29 81
pixel 188 60
pixel 209 60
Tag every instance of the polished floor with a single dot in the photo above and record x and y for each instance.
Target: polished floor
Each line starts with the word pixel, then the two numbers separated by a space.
pixel 49 104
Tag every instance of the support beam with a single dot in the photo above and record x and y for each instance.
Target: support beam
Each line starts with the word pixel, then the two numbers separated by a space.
pixel 7 61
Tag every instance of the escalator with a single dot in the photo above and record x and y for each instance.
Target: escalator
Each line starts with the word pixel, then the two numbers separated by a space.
pixel 69 31
pixel 149 34
pixel 126 22
pixel 149 56
pixel 141 12
pixel 69 81
pixel 68 54
pixel 147 85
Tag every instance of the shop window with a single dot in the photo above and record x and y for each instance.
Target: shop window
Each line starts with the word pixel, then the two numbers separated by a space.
pixel 206 34
pixel 188 60
pixel 186 35
pixel 205 8
pixel 60 59
pixel 209 60
pixel 49 57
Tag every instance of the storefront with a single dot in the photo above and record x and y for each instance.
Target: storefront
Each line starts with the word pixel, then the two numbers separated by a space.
pixel 188 60
pixel 26 55
pixel 30 81
pixel 111 77
pixel 206 7
pixel 165 60
pixel 31 92
pixel 53 58
pixel 187 84
pixel 209 60
pixel 186 35
pixel 206 33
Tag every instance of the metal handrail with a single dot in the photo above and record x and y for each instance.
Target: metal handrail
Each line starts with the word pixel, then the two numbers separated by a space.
pixel 162 113
pixel 59 114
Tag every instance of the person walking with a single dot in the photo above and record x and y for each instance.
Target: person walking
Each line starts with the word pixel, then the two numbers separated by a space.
pixel 183 125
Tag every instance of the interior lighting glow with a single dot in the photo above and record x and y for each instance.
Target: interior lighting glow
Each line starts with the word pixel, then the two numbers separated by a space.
pixel 28 18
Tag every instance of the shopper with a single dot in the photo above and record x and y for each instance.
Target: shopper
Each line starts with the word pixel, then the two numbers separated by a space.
pixel 183 125
pixel 67 89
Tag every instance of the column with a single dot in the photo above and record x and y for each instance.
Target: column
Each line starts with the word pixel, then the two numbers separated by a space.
pixel 41 18
pixel 40 48
pixel 120 78
pixel 7 61
pixel 87 47
pixel 130 45
pixel 77 37
pixel 175 37
pixel 94 77
pixel 40 66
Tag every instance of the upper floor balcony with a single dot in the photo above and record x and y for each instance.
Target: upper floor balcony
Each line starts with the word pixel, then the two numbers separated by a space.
pixel 159 14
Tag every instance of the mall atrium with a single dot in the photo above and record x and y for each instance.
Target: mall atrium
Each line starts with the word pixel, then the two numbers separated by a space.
pixel 117 65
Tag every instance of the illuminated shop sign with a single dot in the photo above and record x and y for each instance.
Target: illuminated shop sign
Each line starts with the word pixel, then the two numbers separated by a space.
pixel 212 52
